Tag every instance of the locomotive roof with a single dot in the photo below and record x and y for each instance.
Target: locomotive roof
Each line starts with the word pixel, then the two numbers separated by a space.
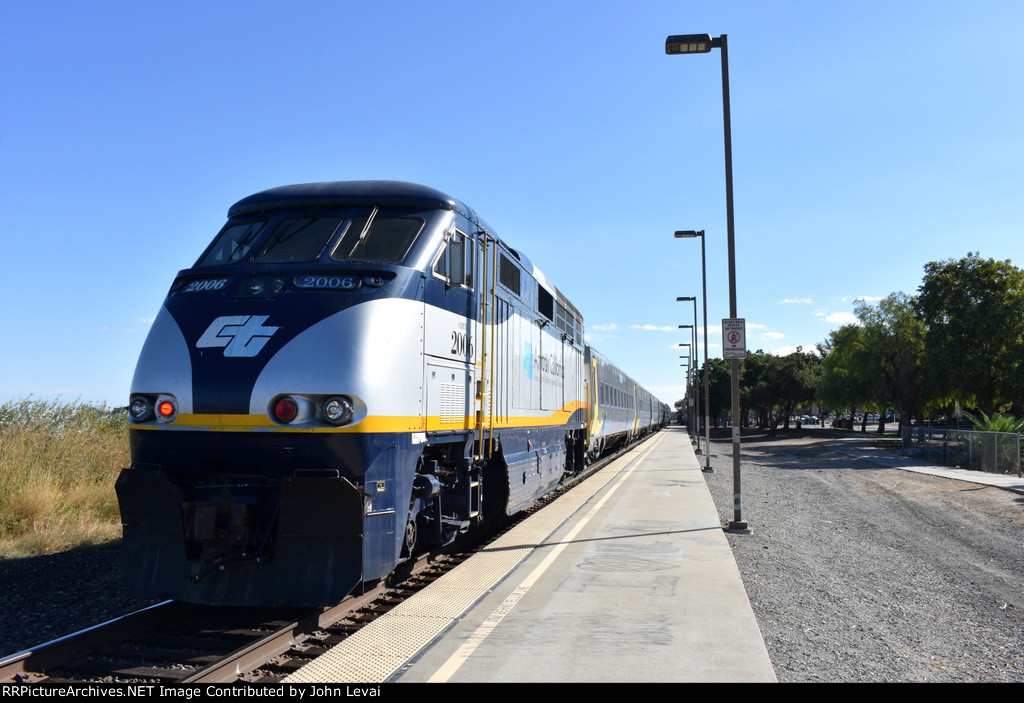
pixel 386 193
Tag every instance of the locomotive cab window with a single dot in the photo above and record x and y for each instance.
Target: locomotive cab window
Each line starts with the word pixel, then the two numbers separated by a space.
pixel 455 263
pixel 233 243
pixel 298 239
pixel 378 238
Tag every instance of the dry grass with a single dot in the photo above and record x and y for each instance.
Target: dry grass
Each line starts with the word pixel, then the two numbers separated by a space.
pixel 58 464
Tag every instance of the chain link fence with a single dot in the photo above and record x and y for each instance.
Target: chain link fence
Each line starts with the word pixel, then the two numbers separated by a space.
pixel 994 452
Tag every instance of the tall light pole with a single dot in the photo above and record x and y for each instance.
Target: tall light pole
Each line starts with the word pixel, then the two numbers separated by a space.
pixel 693 369
pixel 696 366
pixel 702 44
pixel 684 400
pixel 687 234
pixel 693 389
pixel 687 358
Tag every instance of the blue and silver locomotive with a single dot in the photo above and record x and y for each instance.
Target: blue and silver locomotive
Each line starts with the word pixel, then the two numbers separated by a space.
pixel 352 374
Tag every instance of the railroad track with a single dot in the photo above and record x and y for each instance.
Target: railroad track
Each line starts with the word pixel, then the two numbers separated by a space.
pixel 179 643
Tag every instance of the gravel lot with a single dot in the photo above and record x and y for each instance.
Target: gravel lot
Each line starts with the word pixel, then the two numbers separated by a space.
pixel 869 574
pixel 855 572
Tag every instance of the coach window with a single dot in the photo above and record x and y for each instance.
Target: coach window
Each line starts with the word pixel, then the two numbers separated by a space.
pixel 455 264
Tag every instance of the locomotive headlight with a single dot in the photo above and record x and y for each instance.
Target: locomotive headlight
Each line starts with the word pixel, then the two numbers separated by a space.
pixel 141 409
pixel 338 410
pixel 260 287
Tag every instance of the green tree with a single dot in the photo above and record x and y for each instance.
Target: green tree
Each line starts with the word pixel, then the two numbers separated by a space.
pixel 973 312
pixel 774 386
pixel 996 423
pixel 720 387
pixel 893 337
pixel 845 380
pixel 719 383
pixel 680 408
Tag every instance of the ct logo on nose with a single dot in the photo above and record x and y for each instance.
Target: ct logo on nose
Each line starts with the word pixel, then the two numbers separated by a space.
pixel 240 335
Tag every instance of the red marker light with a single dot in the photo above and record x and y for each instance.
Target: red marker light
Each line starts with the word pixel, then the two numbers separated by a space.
pixel 285 410
pixel 166 408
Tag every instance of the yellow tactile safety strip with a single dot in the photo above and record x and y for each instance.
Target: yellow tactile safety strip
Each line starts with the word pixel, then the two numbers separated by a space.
pixel 377 651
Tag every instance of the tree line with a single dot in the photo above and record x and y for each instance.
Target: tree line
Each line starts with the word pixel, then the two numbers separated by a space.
pixel 959 342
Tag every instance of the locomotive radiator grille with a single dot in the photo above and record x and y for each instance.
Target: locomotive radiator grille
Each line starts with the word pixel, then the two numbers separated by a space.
pixel 453 404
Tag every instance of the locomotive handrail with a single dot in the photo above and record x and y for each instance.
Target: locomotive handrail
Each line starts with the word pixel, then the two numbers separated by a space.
pixel 490 404
pixel 482 366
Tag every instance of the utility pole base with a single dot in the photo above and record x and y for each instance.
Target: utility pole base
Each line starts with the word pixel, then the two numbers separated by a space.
pixel 738 528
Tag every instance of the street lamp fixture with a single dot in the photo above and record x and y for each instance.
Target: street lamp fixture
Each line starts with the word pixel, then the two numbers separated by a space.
pixel 689 44
pixel 702 44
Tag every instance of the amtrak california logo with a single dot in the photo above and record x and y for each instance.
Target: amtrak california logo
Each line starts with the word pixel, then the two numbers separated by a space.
pixel 240 335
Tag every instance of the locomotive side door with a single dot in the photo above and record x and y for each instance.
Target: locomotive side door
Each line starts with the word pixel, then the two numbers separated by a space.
pixel 450 335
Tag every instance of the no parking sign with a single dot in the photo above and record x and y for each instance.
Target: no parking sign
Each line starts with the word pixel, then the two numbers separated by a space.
pixel 734 338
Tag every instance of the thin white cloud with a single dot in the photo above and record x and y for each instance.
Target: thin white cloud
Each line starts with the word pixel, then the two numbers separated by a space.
pixel 653 328
pixel 604 328
pixel 773 335
pixel 801 301
pixel 842 318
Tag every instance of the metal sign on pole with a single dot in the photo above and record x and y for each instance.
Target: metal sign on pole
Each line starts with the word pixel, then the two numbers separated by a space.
pixel 734 338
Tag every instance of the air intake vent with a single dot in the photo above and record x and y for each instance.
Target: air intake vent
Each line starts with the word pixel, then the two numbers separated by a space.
pixel 508 275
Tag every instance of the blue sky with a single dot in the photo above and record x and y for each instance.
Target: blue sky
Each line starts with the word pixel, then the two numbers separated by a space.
pixel 869 138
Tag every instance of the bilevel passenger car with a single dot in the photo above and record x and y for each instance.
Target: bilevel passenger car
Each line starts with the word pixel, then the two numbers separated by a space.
pixel 352 374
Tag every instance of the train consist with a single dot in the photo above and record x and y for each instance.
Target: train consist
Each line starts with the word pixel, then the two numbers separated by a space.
pixel 352 374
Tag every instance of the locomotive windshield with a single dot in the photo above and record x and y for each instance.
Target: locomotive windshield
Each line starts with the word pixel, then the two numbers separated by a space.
pixel 377 238
pixel 361 234
pixel 233 243
pixel 298 239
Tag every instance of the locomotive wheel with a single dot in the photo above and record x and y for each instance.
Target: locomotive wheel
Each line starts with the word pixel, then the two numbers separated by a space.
pixel 410 537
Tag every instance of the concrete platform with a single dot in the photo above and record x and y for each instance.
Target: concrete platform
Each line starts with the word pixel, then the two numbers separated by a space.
pixel 628 578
